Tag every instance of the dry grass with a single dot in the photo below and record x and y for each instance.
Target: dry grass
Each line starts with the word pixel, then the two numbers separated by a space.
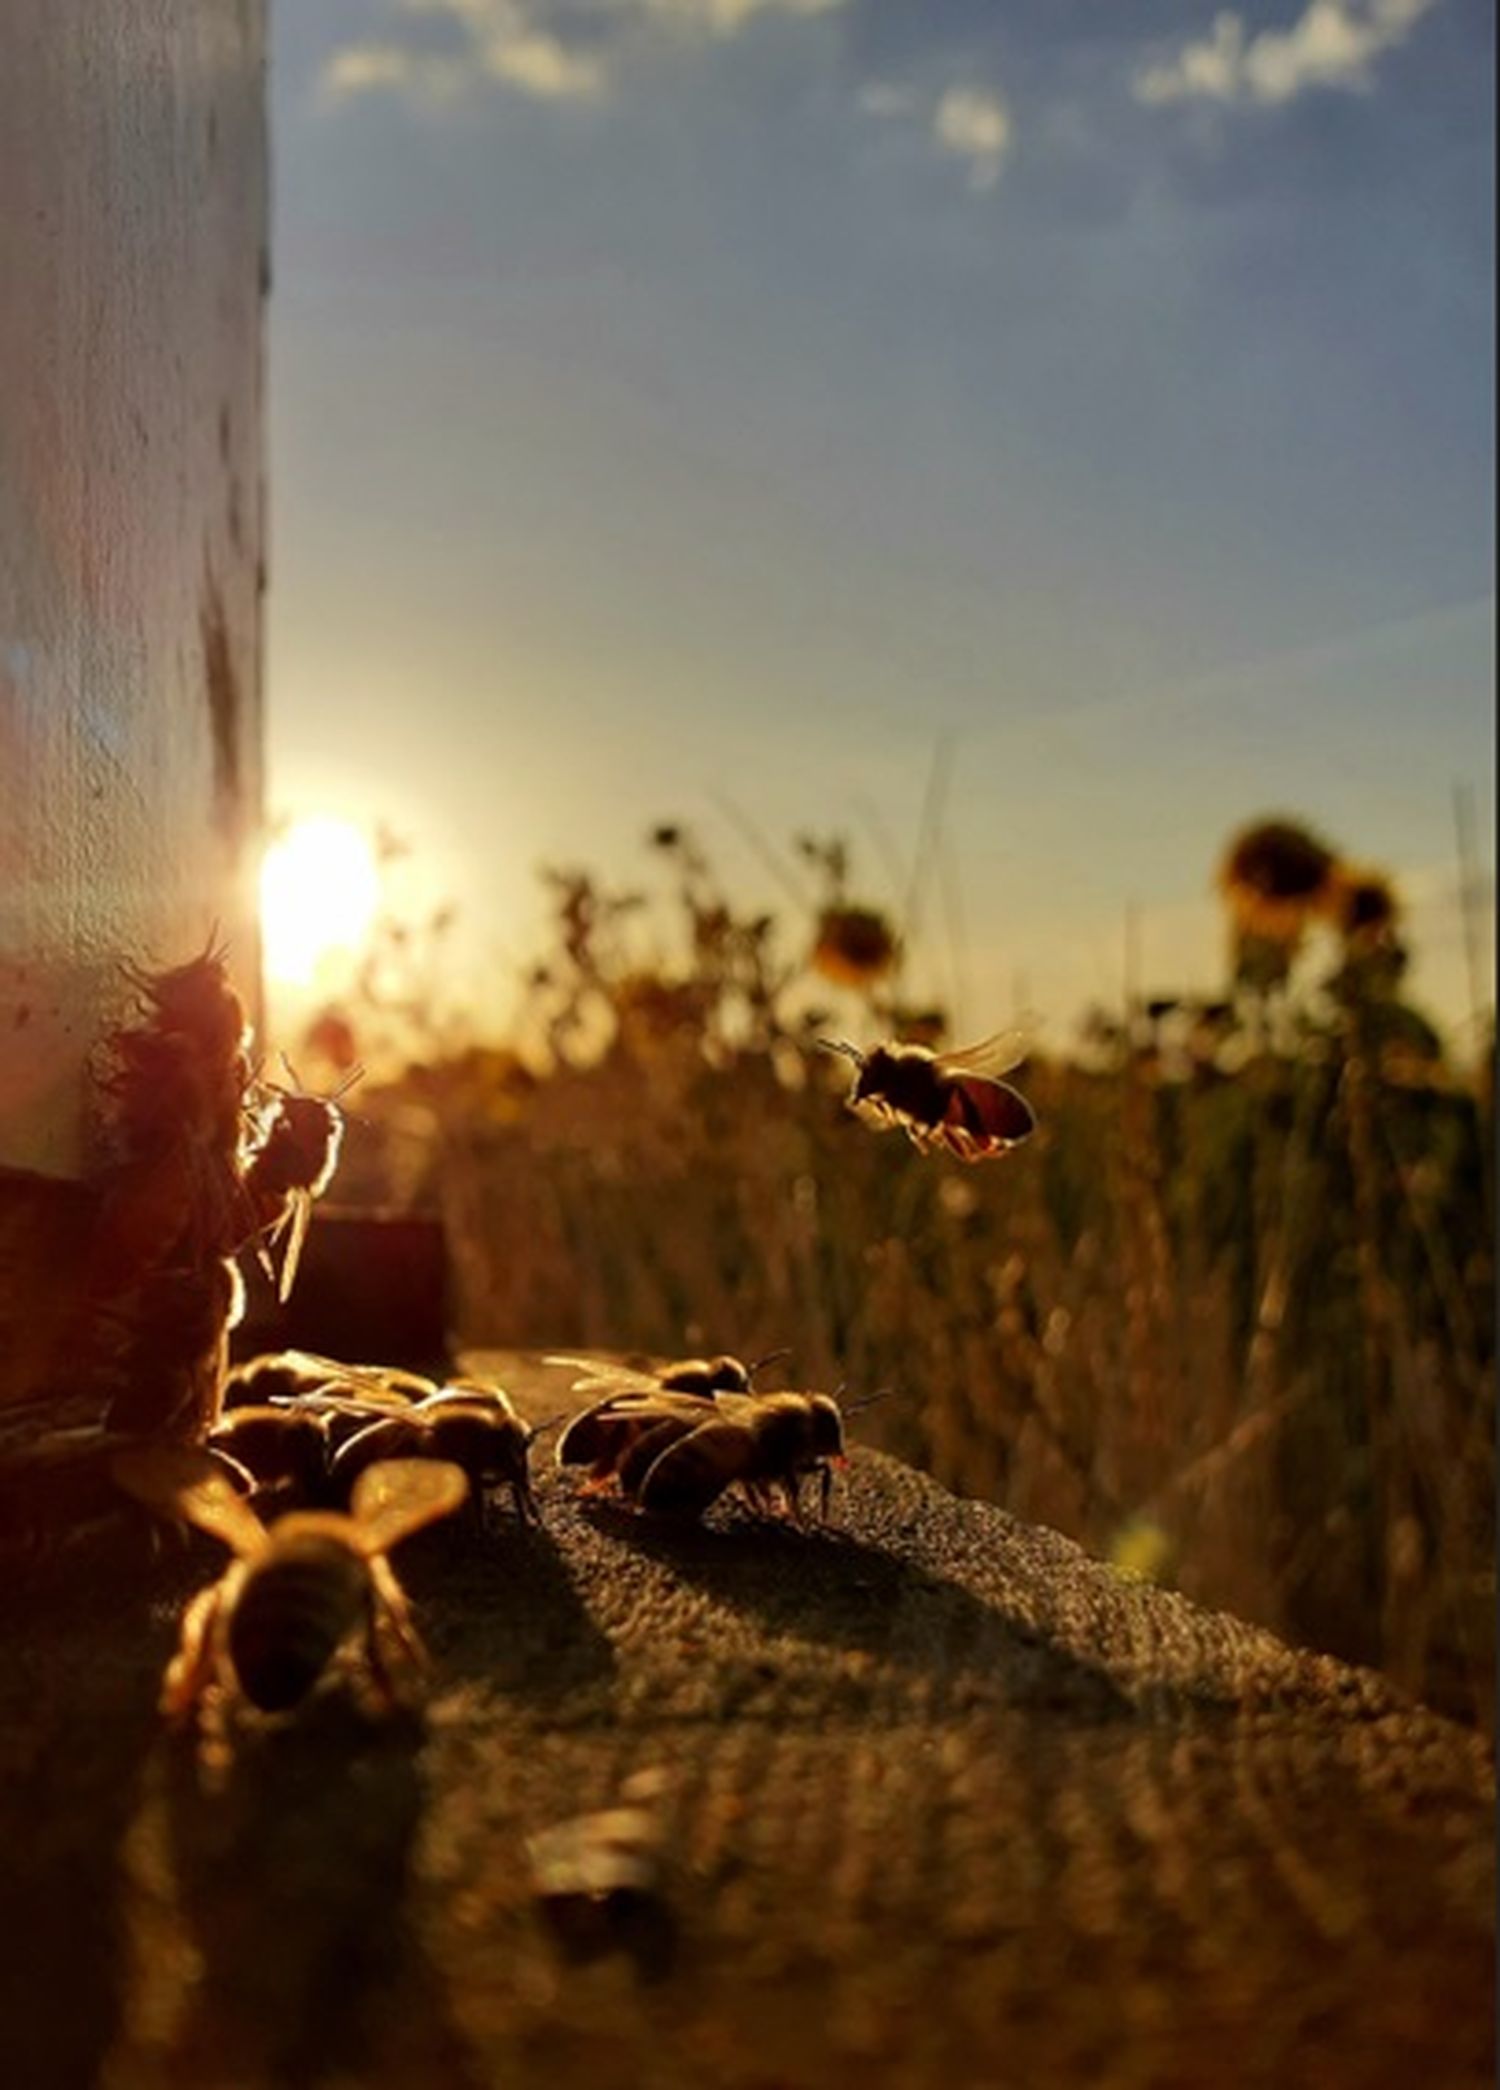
pixel 1226 1318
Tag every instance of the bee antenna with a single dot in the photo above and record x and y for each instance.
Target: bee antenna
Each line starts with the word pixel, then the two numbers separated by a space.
pixel 851 1052
pixel 869 1399
pixel 540 1429
pixel 770 1357
pixel 356 1074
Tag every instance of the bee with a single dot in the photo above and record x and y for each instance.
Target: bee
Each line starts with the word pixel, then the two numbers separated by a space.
pixel 169 1347
pixel 942 1099
pixel 470 1423
pixel 603 1432
pixel 673 1455
pixel 292 1164
pixel 285 1448
pixel 162 1295
pixel 600 1879
pixel 700 1375
pixel 295 1594
pixel 630 1425
pixel 301 1375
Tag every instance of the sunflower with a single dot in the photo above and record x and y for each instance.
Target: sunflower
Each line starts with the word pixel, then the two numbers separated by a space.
pixel 854 946
pixel 1275 877
pixel 1364 907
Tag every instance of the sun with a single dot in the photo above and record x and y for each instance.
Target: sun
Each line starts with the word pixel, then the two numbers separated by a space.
pixel 319 889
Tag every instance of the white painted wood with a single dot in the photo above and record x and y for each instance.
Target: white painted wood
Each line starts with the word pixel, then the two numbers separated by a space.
pixel 132 279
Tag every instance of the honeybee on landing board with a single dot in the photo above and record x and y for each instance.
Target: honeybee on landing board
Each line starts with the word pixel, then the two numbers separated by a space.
pixel 298 1376
pixel 470 1423
pixel 706 1376
pixel 293 1595
pixel 673 1456
pixel 606 1430
pixel 285 1448
pixel 943 1099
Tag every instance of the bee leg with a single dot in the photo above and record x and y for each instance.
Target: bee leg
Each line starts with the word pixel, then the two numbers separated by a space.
pixel 825 1491
pixel 525 1501
pixel 399 1681
pixel 192 1666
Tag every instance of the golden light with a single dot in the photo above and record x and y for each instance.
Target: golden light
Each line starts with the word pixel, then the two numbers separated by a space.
pixel 319 889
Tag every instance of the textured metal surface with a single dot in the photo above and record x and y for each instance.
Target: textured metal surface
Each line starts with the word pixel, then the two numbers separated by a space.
pixel 948 1803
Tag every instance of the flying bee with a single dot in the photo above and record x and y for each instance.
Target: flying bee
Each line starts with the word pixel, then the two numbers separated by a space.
pixel 942 1099
pixel 292 1163
pixel 471 1424
pixel 295 1594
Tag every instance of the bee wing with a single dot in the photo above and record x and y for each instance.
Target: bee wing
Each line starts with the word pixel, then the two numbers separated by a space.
pixel 295 1224
pixel 691 1473
pixel 396 1497
pixel 393 1437
pixel 185 1485
pixel 594 1433
pixel 992 1056
pixel 347 1389
pixel 983 1117
pixel 605 1378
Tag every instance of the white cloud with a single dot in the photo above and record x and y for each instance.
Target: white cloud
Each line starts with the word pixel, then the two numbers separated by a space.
pixel 967 123
pixel 1332 44
pixel 879 99
pixel 524 44
pixel 725 17
pixel 974 125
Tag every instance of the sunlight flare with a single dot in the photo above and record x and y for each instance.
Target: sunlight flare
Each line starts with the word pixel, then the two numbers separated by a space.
pixel 319 889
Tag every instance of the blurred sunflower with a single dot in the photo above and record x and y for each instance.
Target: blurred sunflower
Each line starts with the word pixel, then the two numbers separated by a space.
pixel 854 946
pixel 330 1036
pixel 1364 907
pixel 1275 877
pixel 916 1026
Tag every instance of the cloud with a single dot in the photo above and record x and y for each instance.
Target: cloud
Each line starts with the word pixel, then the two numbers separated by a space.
pixel 1333 44
pixel 974 125
pixel 967 123
pixel 548 49
pixel 879 99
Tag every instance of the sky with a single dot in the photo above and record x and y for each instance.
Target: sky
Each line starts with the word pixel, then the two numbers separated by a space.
pixel 742 411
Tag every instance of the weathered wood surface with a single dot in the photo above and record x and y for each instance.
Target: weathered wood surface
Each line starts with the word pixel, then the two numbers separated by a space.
pixel 951 1804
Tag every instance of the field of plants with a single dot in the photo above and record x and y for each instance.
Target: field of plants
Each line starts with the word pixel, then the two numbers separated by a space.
pixel 1226 1318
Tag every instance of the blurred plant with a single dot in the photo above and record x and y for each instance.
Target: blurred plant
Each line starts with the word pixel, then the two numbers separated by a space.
pixel 1226 1318
pixel 853 946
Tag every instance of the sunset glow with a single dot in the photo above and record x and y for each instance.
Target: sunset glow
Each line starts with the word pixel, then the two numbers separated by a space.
pixel 319 888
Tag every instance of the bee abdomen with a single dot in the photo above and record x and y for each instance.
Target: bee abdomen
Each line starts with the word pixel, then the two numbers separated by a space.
pixel 291 1617
pixel 691 1473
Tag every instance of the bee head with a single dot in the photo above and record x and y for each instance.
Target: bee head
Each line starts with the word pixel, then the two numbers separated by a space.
pixel 827 1426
